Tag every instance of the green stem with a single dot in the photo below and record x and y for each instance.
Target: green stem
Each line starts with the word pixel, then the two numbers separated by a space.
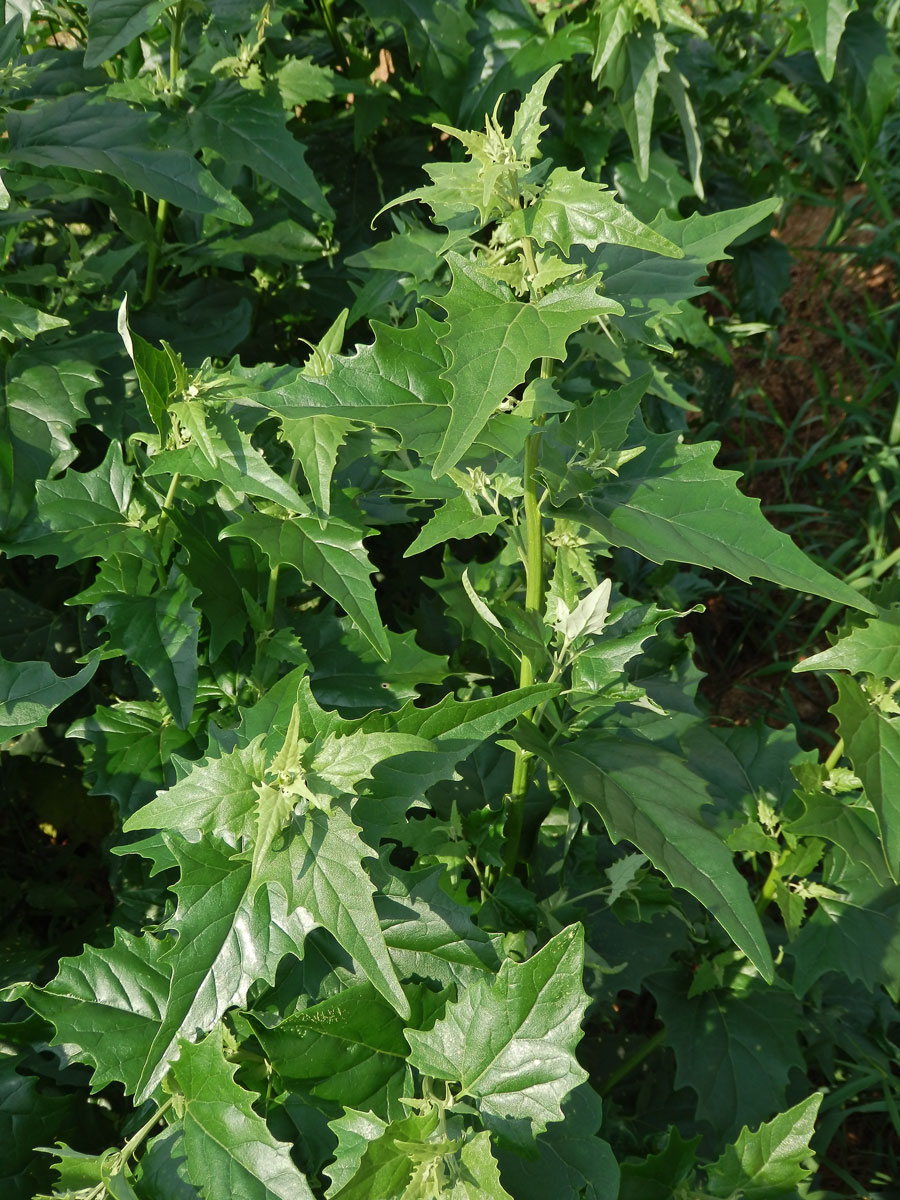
pixel 634 1060
pixel 163 518
pixel 135 1141
pixel 534 599
pixel 272 591
pixel 835 756
pixel 767 891
pixel 162 207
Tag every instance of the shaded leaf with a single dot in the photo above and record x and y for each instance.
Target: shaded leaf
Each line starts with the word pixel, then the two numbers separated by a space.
pixel 30 691
pixel 113 24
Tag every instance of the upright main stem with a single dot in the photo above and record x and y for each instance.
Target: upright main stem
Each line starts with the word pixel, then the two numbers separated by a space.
pixel 162 207
pixel 534 600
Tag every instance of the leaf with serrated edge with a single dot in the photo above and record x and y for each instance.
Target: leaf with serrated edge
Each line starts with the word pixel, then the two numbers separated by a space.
pixel 107 1006
pixel 30 691
pixel 334 888
pixel 315 441
pixel 510 1041
pixel 873 648
pixel 230 1151
pixel 872 743
pixel 233 929
pixel 768 1163
pixel 329 554
pixel 647 795
pixel 493 339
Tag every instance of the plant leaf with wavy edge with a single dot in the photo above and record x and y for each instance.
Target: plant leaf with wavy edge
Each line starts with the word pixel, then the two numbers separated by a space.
pixel 329 554
pixel 493 339
pixel 571 209
pixel 89 514
pixel 872 743
pixel 510 1041
pixel 872 648
pixel 160 634
pixel 385 1166
pixel 30 691
pixel 315 441
pixel 648 796
pixel 233 929
pixel 113 24
pixel 107 1006
pixel 44 402
pixel 673 504
pixel 228 458
pixel 97 134
pixel 332 885
pixel 249 127
pixel 769 1162
pixel 750 1040
pixel 21 320
pixel 230 1151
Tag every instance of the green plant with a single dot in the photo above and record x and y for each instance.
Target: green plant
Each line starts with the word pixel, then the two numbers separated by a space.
pixel 410 793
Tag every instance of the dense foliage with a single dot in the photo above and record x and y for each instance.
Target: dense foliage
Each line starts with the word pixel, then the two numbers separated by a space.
pixel 366 835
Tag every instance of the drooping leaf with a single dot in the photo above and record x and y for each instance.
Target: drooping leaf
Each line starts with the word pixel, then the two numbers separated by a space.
pixel 160 634
pixel 645 60
pixel 110 137
pixel 647 795
pixel 673 504
pixel 493 339
pixel 227 457
pixel 826 20
pixel 230 1151
pixel 113 24
pixel 771 1161
pixel 872 743
pixel 329 554
pixel 510 1041
pixel 750 1044
pixel 248 127
pixel 30 691
pixel 44 402
pixel 332 885
pixel 107 1006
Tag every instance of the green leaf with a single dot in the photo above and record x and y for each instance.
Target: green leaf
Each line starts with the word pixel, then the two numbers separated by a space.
pixel 571 1157
pixel 113 24
pixel 155 370
pixel 769 1163
pixel 349 1048
pixel 645 60
pixel 386 1164
pixel 130 751
pixel 655 1177
pixel 493 339
pixel 872 743
pixel 315 441
pixel 333 887
pixel 107 1006
pixel 159 633
pixel 459 517
pixel 97 134
pixel 216 796
pixel 30 691
pixel 230 1151
pixel 21 320
pixel 648 796
pixel 233 929
pixel 249 127
pixel 226 457
pixel 749 1041
pixel 872 648
pixel 162 1170
pixel 329 554
pixel 510 1041
pixel 89 514
pixel 673 504
pixel 478 1177
pixel 572 209
pixel 29 1117
pixel 354 1130
pixel 44 403
pixel 826 20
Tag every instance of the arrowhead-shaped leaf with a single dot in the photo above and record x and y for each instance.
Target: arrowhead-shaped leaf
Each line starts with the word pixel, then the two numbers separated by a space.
pixel 510 1041
pixel 826 20
pixel 673 504
pixel 329 554
pixel 648 796
pixel 768 1163
pixel 873 648
pixel 113 24
pixel 230 1151
pixel 493 339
